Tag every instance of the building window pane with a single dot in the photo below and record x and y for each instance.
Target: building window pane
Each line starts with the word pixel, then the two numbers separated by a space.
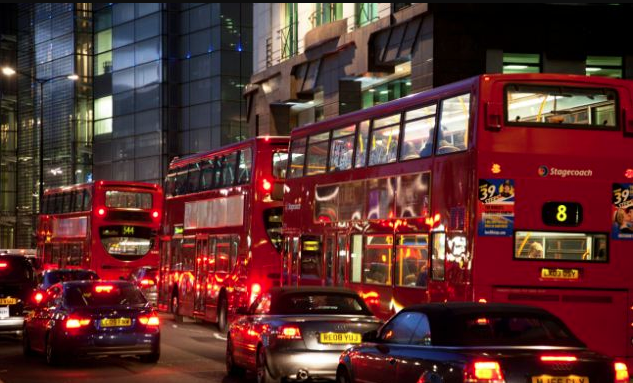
pixel 103 63
pixel 521 63
pixel 147 27
pixel 103 127
pixel 366 13
pixel 103 107
pixel 608 66
pixel 103 41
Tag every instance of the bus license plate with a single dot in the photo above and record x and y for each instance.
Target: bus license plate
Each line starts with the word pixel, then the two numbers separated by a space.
pixel 550 273
pixel 116 322
pixel 8 301
pixel 4 312
pixel 340 338
pixel 560 379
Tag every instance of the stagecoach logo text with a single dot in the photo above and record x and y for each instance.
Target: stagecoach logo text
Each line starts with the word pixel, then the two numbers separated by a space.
pixel 544 171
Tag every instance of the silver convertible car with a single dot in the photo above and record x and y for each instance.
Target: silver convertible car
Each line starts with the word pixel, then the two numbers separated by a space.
pixel 297 333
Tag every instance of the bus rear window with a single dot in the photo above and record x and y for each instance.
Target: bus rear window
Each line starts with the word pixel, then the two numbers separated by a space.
pixel 561 246
pixel 130 200
pixel 560 106
pixel 280 164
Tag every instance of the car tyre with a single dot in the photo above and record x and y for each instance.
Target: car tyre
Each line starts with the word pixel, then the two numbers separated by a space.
pixel 52 355
pixel 261 368
pixel 150 358
pixel 175 308
pixel 26 344
pixel 223 309
pixel 231 368
pixel 342 375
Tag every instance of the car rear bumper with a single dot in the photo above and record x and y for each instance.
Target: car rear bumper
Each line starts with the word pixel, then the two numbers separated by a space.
pixel 110 344
pixel 316 364
pixel 11 325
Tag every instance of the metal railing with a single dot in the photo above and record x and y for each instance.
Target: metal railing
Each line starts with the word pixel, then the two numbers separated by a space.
pixel 289 40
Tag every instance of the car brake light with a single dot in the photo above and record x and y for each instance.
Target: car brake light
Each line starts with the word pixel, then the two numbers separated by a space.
pixel 151 320
pixel 558 358
pixel 103 288
pixel 38 297
pixel 3 265
pixel 289 332
pixel 483 372
pixel 256 288
pixel 621 373
pixel 146 282
pixel 76 323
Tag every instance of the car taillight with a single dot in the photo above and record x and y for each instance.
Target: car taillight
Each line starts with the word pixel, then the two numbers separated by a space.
pixel 146 283
pixel 3 265
pixel 76 322
pixel 558 358
pixel 483 372
pixel 37 297
pixel 621 373
pixel 256 288
pixel 290 332
pixel 149 320
pixel 103 288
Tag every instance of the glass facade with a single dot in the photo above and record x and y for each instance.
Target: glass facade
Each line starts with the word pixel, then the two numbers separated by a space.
pixel 168 82
pixel 54 41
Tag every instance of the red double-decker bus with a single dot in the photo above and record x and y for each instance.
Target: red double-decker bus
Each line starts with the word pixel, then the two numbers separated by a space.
pixel 222 228
pixel 110 227
pixel 505 188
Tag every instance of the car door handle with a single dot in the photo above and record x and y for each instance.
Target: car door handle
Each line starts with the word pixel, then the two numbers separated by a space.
pixel 392 361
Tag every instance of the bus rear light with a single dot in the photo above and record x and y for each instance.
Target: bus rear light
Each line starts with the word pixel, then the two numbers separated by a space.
pixel 101 212
pixel 482 300
pixel 621 373
pixel 155 214
pixel 72 323
pixel 289 332
pixel 480 372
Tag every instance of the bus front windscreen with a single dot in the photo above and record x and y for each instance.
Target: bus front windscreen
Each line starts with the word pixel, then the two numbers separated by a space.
pixel 529 105
pixel 126 243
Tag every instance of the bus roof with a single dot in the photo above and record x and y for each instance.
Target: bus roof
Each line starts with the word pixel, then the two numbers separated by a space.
pixel 180 161
pixel 416 99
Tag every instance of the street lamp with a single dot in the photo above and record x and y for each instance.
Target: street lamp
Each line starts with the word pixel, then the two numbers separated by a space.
pixel 8 71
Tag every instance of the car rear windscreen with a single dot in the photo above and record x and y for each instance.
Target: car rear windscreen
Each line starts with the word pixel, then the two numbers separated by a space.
pixel 103 295
pixel 15 270
pixel 319 303
pixel 54 277
pixel 505 330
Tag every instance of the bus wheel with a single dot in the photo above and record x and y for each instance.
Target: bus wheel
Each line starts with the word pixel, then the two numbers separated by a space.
pixel 223 309
pixel 175 307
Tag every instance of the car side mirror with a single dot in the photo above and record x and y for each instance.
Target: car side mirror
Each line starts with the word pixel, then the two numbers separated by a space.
pixel 371 336
pixel 242 311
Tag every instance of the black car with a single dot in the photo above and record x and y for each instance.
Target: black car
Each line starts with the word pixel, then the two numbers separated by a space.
pixel 145 278
pixel 88 318
pixel 49 278
pixel 474 342
pixel 17 281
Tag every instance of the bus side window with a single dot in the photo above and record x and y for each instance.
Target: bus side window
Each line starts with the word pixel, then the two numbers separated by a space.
pixel 244 168
pixel 454 118
pixel 87 201
pixel 355 264
pixel 219 169
pixel 206 174
pixel 297 158
pixel 194 177
pixel 229 169
pixel 439 256
pixel 79 199
pixel 361 144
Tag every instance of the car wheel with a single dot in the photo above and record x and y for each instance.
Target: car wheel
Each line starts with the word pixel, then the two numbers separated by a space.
pixel 231 368
pixel 175 308
pixel 342 375
pixel 150 358
pixel 223 309
pixel 52 355
pixel 261 368
pixel 26 344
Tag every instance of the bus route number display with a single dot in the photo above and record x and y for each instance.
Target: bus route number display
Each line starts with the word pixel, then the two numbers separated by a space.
pixel 562 213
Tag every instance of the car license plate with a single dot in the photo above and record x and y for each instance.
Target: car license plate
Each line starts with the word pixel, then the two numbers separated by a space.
pixel 4 312
pixel 569 274
pixel 8 301
pixel 560 379
pixel 116 322
pixel 339 338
